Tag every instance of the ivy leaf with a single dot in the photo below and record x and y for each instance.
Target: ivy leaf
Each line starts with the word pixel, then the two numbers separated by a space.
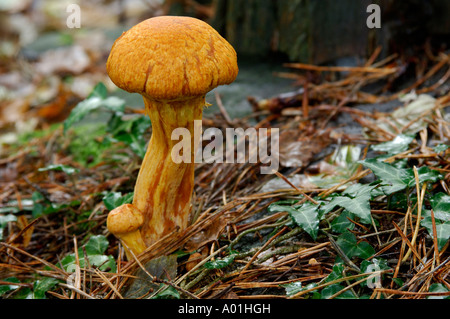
pixel 95 249
pixel 440 203
pixel 355 199
pixel 99 91
pixel 438 288
pixel 398 201
pixel 5 288
pixel 168 293
pixel 376 264
pixel 40 287
pixel 440 148
pixel 96 245
pixel 442 228
pixel 305 216
pixel 330 290
pixel 337 272
pixel 399 144
pixel 358 206
pixel 441 206
pixel 394 179
pixel 348 243
pixel 96 100
pixel 130 131
pixel 292 288
pixel 425 174
pixel 220 262
pixel 341 223
pixel 116 199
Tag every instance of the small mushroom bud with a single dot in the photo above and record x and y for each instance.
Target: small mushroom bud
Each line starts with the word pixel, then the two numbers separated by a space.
pixel 124 222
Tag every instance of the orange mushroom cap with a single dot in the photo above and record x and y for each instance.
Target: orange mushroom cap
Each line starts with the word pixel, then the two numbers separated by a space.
pixel 171 58
pixel 124 219
pixel 124 222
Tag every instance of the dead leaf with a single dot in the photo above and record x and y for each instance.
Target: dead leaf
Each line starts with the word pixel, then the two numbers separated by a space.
pixel 209 233
pixel 57 110
pixel 73 59
pixel 297 149
pixel 22 222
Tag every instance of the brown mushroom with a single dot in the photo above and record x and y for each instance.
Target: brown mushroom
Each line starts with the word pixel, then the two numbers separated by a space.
pixel 172 62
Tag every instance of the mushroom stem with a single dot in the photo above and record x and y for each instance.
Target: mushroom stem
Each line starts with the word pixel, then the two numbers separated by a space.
pixel 164 188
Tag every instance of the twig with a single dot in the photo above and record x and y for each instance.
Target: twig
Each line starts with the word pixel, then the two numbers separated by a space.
pixel 295 187
pixel 405 239
pixel 411 293
pixel 340 68
pixel 76 290
pixel 264 247
pixel 420 197
pixel 336 281
pixel 222 109
pixel 435 243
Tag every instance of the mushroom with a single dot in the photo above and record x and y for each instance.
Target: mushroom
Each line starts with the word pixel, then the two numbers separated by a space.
pixel 124 222
pixel 172 62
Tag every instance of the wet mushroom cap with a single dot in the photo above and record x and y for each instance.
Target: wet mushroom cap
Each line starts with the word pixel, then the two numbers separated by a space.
pixel 171 58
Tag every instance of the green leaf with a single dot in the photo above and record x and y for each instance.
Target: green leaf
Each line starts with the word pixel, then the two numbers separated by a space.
pixel 398 201
pixel 441 206
pixel 295 287
pixel 425 174
pixel 442 228
pixel 99 90
pixel 95 248
pixel 376 264
pixel 40 287
pixel 168 293
pixel 438 288
pixel 399 144
pixel 337 272
pixel 305 216
pixel 5 288
pixel 96 100
pixel 398 281
pixel 341 223
pixel 359 206
pixel 348 243
pixel 441 148
pixel 440 203
pixel 69 170
pixel 358 203
pixel 116 199
pixel 130 131
pixel 292 288
pixel 330 290
pixel 88 143
pixel 220 262
pixel 41 206
pixel 96 245
pixel 396 179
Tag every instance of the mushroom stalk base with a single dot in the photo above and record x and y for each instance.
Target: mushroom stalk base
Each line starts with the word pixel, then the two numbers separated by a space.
pixel 164 188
